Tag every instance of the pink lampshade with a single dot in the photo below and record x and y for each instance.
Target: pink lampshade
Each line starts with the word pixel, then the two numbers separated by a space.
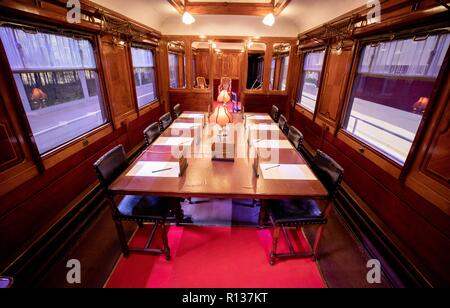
pixel 421 104
pixel 224 97
pixel 221 116
pixel 37 94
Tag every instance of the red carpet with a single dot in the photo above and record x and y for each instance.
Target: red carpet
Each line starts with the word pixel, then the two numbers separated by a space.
pixel 215 257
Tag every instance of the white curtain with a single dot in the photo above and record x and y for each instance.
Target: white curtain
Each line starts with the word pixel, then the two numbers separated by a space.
pixel 142 57
pixel 314 61
pixel 406 57
pixel 43 51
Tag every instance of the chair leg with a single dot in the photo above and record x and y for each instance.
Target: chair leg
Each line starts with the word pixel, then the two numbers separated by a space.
pixel 262 215
pixel 275 237
pixel 317 241
pixel 166 249
pixel 122 239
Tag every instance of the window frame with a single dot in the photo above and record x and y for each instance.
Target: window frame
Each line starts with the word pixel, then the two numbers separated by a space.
pixel 152 49
pixel 381 159
pixel 305 111
pixel 57 154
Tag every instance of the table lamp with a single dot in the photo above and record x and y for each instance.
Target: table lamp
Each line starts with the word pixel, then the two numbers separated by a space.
pixel 420 106
pixel 224 97
pixel 38 95
pixel 221 116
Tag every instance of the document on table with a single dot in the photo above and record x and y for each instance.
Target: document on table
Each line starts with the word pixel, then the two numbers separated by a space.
pixel 185 141
pixel 155 169
pixel 272 127
pixel 192 115
pixel 258 117
pixel 179 125
pixel 287 172
pixel 272 144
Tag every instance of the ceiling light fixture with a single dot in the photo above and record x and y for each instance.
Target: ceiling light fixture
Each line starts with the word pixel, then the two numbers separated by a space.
pixel 187 18
pixel 269 20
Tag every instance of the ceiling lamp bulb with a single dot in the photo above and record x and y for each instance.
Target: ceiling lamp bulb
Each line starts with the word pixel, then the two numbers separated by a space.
pixel 188 18
pixel 269 20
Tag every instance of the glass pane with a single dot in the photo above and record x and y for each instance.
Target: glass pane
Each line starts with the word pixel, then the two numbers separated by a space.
pixel 177 64
pixel 58 84
pixel 279 66
pixel 144 75
pixel 201 65
pixel 255 72
pixel 310 85
pixel 391 91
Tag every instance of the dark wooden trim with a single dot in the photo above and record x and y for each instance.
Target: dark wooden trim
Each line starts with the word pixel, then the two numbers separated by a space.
pixel 400 271
pixel 37 258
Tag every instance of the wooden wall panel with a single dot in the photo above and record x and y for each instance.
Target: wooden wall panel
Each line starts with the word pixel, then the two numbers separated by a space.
pixel 193 101
pixel 336 72
pixel 117 71
pixel 437 161
pixel 264 102
pixel 29 210
pixel 416 222
pixel 34 201
pixel 10 153
pixel 202 64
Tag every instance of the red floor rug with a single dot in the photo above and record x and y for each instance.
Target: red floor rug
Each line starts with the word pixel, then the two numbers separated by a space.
pixel 215 257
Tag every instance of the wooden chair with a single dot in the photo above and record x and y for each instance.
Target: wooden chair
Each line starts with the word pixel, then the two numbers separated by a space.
pixel 297 213
pixel 140 209
pixel 177 110
pixel 274 113
pixel 164 121
pixel 201 82
pixel 282 123
pixel 296 138
pixel 151 133
pixel 225 84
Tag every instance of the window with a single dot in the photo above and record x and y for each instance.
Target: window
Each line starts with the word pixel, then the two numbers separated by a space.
pixel 284 72
pixel 173 70
pixel 144 75
pixel 391 90
pixel 309 87
pixel 56 77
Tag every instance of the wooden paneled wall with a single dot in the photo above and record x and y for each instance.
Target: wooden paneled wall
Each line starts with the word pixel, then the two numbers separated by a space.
pixel 409 204
pixel 37 191
pixel 233 64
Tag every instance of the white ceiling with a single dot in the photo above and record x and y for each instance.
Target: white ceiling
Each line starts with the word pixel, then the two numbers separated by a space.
pixel 299 16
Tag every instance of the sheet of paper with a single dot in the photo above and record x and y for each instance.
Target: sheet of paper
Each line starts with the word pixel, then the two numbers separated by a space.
pixel 159 169
pixel 258 117
pixel 272 144
pixel 272 127
pixel 192 115
pixel 287 172
pixel 179 125
pixel 184 141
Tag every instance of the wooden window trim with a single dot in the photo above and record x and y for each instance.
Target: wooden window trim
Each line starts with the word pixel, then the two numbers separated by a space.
pixel 64 151
pixel 153 49
pixel 379 158
pixel 303 52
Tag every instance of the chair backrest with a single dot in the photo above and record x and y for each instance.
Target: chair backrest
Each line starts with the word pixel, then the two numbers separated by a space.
pixel 296 137
pixel 177 110
pixel 164 121
pixel 225 84
pixel 329 172
pixel 110 165
pixel 201 82
pixel 151 133
pixel 274 113
pixel 282 123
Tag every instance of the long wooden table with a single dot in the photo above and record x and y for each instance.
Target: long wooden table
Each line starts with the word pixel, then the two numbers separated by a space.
pixel 222 179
